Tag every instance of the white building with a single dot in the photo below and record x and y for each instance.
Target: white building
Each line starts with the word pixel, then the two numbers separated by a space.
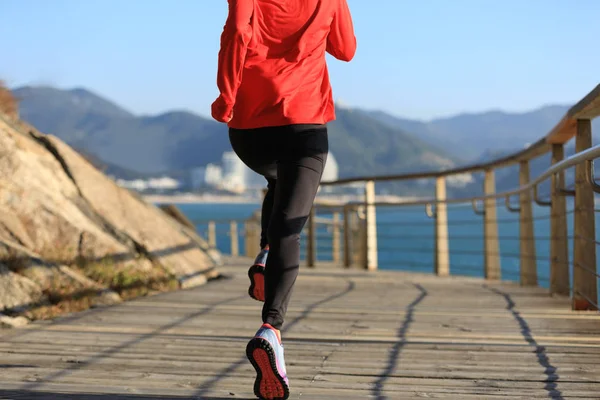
pixel 235 176
pixel 209 176
pixel 460 181
pixel 331 172
pixel 164 183
pixel 159 184
pixel 137 185
pixel 234 173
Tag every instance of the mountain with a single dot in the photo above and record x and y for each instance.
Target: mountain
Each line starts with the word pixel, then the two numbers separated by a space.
pixel 147 144
pixel 179 140
pixel 112 169
pixel 470 135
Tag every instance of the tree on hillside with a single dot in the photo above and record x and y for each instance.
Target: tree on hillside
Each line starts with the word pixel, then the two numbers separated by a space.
pixel 8 104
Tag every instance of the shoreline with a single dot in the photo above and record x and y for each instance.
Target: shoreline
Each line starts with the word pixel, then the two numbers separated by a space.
pixel 191 198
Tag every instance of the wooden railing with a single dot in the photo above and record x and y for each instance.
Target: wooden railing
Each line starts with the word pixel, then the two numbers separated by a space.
pixel 575 124
pixel 352 227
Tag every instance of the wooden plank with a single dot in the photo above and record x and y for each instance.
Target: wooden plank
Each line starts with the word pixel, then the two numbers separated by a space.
pixel 586 108
pixel 491 242
pixel 371 226
pixel 528 270
pixel 559 246
pixel 212 234
pixel 348 335
pixel 348 253
pixel 233 234
pixel 336 238
pixel 585 283
pixel 442 246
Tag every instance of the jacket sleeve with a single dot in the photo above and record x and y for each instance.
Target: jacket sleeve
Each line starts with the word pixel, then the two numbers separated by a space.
pixel 341 42
pixel 232 55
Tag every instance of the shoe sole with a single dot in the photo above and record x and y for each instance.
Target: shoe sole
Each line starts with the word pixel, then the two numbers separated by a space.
pixel 269 385
pixel 257 283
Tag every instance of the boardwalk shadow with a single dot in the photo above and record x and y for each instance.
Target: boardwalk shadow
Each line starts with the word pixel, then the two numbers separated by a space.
pixel 540 351
pixel 394 356
pixel 205 387
pixel 136 340
pixel 34 395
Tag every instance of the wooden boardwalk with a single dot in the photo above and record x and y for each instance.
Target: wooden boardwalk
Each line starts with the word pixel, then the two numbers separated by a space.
pixel 349 335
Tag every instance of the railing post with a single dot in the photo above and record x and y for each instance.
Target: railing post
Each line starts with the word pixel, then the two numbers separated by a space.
pixel 248 239
pixel 336 238
pixel 212 234
pixel 311 239
pixel 526 231
pixel 347 235
pixel 491 244
pixel 371 227
pixel 585 290
pixel 360 237
pixel 235 245
pixel 252 236
pixel 442 255
pixel 559 246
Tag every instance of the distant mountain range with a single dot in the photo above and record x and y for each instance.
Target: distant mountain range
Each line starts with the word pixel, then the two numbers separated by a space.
pixel 180 140
pixel 471 135
pixel 364 142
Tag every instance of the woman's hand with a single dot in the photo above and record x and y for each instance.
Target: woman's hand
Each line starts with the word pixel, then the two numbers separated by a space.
pixel 221 111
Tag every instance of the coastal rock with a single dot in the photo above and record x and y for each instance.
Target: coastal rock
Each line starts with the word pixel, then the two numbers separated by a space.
pixel 106 298
pixel 147 228
pixel 12 322
pixel 65 225
pixel 16 290
pixel 29 280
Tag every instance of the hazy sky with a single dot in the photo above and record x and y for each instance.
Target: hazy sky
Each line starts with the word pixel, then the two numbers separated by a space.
pixel 417 58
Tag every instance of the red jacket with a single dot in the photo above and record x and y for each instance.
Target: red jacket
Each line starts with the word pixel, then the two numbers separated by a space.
pixel 272 68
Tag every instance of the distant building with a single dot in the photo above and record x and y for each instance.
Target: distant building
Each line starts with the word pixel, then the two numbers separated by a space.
pixel 331 172
pixel 163 184
pixel 138 185
pixel 254 180
pixel 234 176
pixel 460 181
pixel 205 177
pixel 234 173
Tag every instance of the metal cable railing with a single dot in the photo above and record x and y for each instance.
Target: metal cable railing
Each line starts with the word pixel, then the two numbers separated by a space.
pixel 538 236
pixel 544 234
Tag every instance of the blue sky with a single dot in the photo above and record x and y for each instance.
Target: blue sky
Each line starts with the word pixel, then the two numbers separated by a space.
pixel 417 58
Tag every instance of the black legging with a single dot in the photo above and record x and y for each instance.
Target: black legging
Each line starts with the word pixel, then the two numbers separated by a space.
pixel 292 158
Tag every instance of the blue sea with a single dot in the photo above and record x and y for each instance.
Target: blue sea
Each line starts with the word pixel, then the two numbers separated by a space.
pixel 406 237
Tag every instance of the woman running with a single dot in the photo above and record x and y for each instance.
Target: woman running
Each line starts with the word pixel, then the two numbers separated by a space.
pixel 276 98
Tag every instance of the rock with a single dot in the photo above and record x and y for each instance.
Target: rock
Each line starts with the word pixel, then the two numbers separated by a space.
pixel 106 298
pixel 187 282
pixel 156 235
pixel 40 199
pixel 17 290
pixel 68 230
pixel 57 205
pixel 38 275
pixel 12 322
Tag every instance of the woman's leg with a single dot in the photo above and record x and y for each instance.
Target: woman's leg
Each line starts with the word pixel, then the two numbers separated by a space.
pixel 256 148
pixel 267 208
pixel 302 155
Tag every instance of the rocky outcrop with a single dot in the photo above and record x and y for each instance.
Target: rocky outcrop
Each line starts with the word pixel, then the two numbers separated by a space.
pixel 64 224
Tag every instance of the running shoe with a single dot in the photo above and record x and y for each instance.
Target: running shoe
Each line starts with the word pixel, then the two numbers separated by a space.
pixel 265 352
pixel 256 273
